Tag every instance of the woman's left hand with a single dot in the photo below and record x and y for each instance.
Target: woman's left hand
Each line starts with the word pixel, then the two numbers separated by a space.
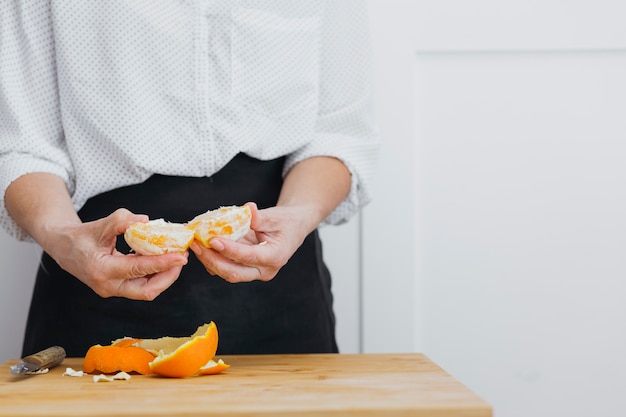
pixel 312 189
pixel 276 233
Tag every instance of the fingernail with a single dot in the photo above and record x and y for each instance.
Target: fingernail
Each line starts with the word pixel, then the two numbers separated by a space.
pixel 216 244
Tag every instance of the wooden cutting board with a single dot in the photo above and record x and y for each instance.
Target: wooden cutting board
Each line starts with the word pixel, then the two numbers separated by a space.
pixel 255 385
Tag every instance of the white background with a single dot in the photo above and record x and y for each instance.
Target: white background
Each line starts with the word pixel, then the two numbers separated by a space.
pixel 496 240
pixel 504 127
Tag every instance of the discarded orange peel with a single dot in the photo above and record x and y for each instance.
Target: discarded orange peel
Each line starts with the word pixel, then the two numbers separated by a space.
pixel 180 357
pixel 212 367
pixel 110 359
pixel 176 357
pixel 157 237
pixel 118 376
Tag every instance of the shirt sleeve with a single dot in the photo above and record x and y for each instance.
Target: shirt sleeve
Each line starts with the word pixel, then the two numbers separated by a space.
pixel 31 135
pixel 345 126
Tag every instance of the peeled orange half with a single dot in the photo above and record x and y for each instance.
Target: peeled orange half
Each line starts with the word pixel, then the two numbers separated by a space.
pixel 232 222
pixel 157 237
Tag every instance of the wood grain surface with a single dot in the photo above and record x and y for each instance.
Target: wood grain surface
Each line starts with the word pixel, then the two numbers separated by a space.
pixel 255 385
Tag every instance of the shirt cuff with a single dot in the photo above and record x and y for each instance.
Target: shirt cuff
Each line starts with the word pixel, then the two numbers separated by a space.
pixel 358 154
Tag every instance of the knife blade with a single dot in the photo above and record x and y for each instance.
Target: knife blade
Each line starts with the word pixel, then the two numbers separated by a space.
pixel 39 362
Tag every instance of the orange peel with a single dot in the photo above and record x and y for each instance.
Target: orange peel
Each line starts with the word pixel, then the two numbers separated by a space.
pixel 212 367
pixel 180 357
pixel 111 359
pixel 176 357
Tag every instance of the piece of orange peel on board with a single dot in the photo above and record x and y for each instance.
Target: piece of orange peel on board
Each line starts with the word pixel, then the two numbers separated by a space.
pixel 176 357
pixel 157 237
pixel 181 357
pixel 114 358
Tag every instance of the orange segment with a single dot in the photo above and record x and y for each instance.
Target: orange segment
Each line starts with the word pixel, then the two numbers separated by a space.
pixel 181 357
pixel 157 237
pixel 110 359
pixel 232 222
pixel 212 367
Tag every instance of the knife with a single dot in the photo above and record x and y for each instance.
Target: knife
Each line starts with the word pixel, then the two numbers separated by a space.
pixel 39 362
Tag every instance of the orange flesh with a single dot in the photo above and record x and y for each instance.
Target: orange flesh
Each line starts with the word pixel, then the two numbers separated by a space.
pixel 225 221
pixel 230 222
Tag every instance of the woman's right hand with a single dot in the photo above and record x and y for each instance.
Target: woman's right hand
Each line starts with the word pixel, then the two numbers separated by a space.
pixel 40 203
pixel 87 251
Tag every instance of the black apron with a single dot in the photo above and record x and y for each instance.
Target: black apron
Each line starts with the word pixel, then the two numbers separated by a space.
pixel 290 314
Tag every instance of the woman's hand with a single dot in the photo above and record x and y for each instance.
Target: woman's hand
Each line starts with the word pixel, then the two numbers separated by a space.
pixel 87 251
pixel 310 192
pixel 40 203
pixel 276 233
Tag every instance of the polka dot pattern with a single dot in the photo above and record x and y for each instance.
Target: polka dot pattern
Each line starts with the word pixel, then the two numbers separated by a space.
pixel 105 94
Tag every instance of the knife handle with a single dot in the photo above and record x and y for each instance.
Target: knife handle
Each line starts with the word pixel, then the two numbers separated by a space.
pixel 47 358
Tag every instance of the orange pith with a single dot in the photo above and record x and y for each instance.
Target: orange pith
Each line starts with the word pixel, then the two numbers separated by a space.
pixel 110 359
pixel 126 341
pixel 183 357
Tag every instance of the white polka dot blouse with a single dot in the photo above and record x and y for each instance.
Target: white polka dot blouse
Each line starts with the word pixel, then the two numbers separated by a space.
pixel 107 93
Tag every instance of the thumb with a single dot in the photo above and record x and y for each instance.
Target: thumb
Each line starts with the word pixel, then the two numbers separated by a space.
pixel 256 217
pixel 121 219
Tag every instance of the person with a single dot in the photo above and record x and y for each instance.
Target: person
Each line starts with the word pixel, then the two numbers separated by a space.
pixel 116 112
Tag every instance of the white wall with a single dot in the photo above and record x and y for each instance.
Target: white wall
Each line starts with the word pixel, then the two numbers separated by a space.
pixel 505 192
pixel 523 224
pixel 388 236
pixel 519 197
pixel 342 253
pixel 19 264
